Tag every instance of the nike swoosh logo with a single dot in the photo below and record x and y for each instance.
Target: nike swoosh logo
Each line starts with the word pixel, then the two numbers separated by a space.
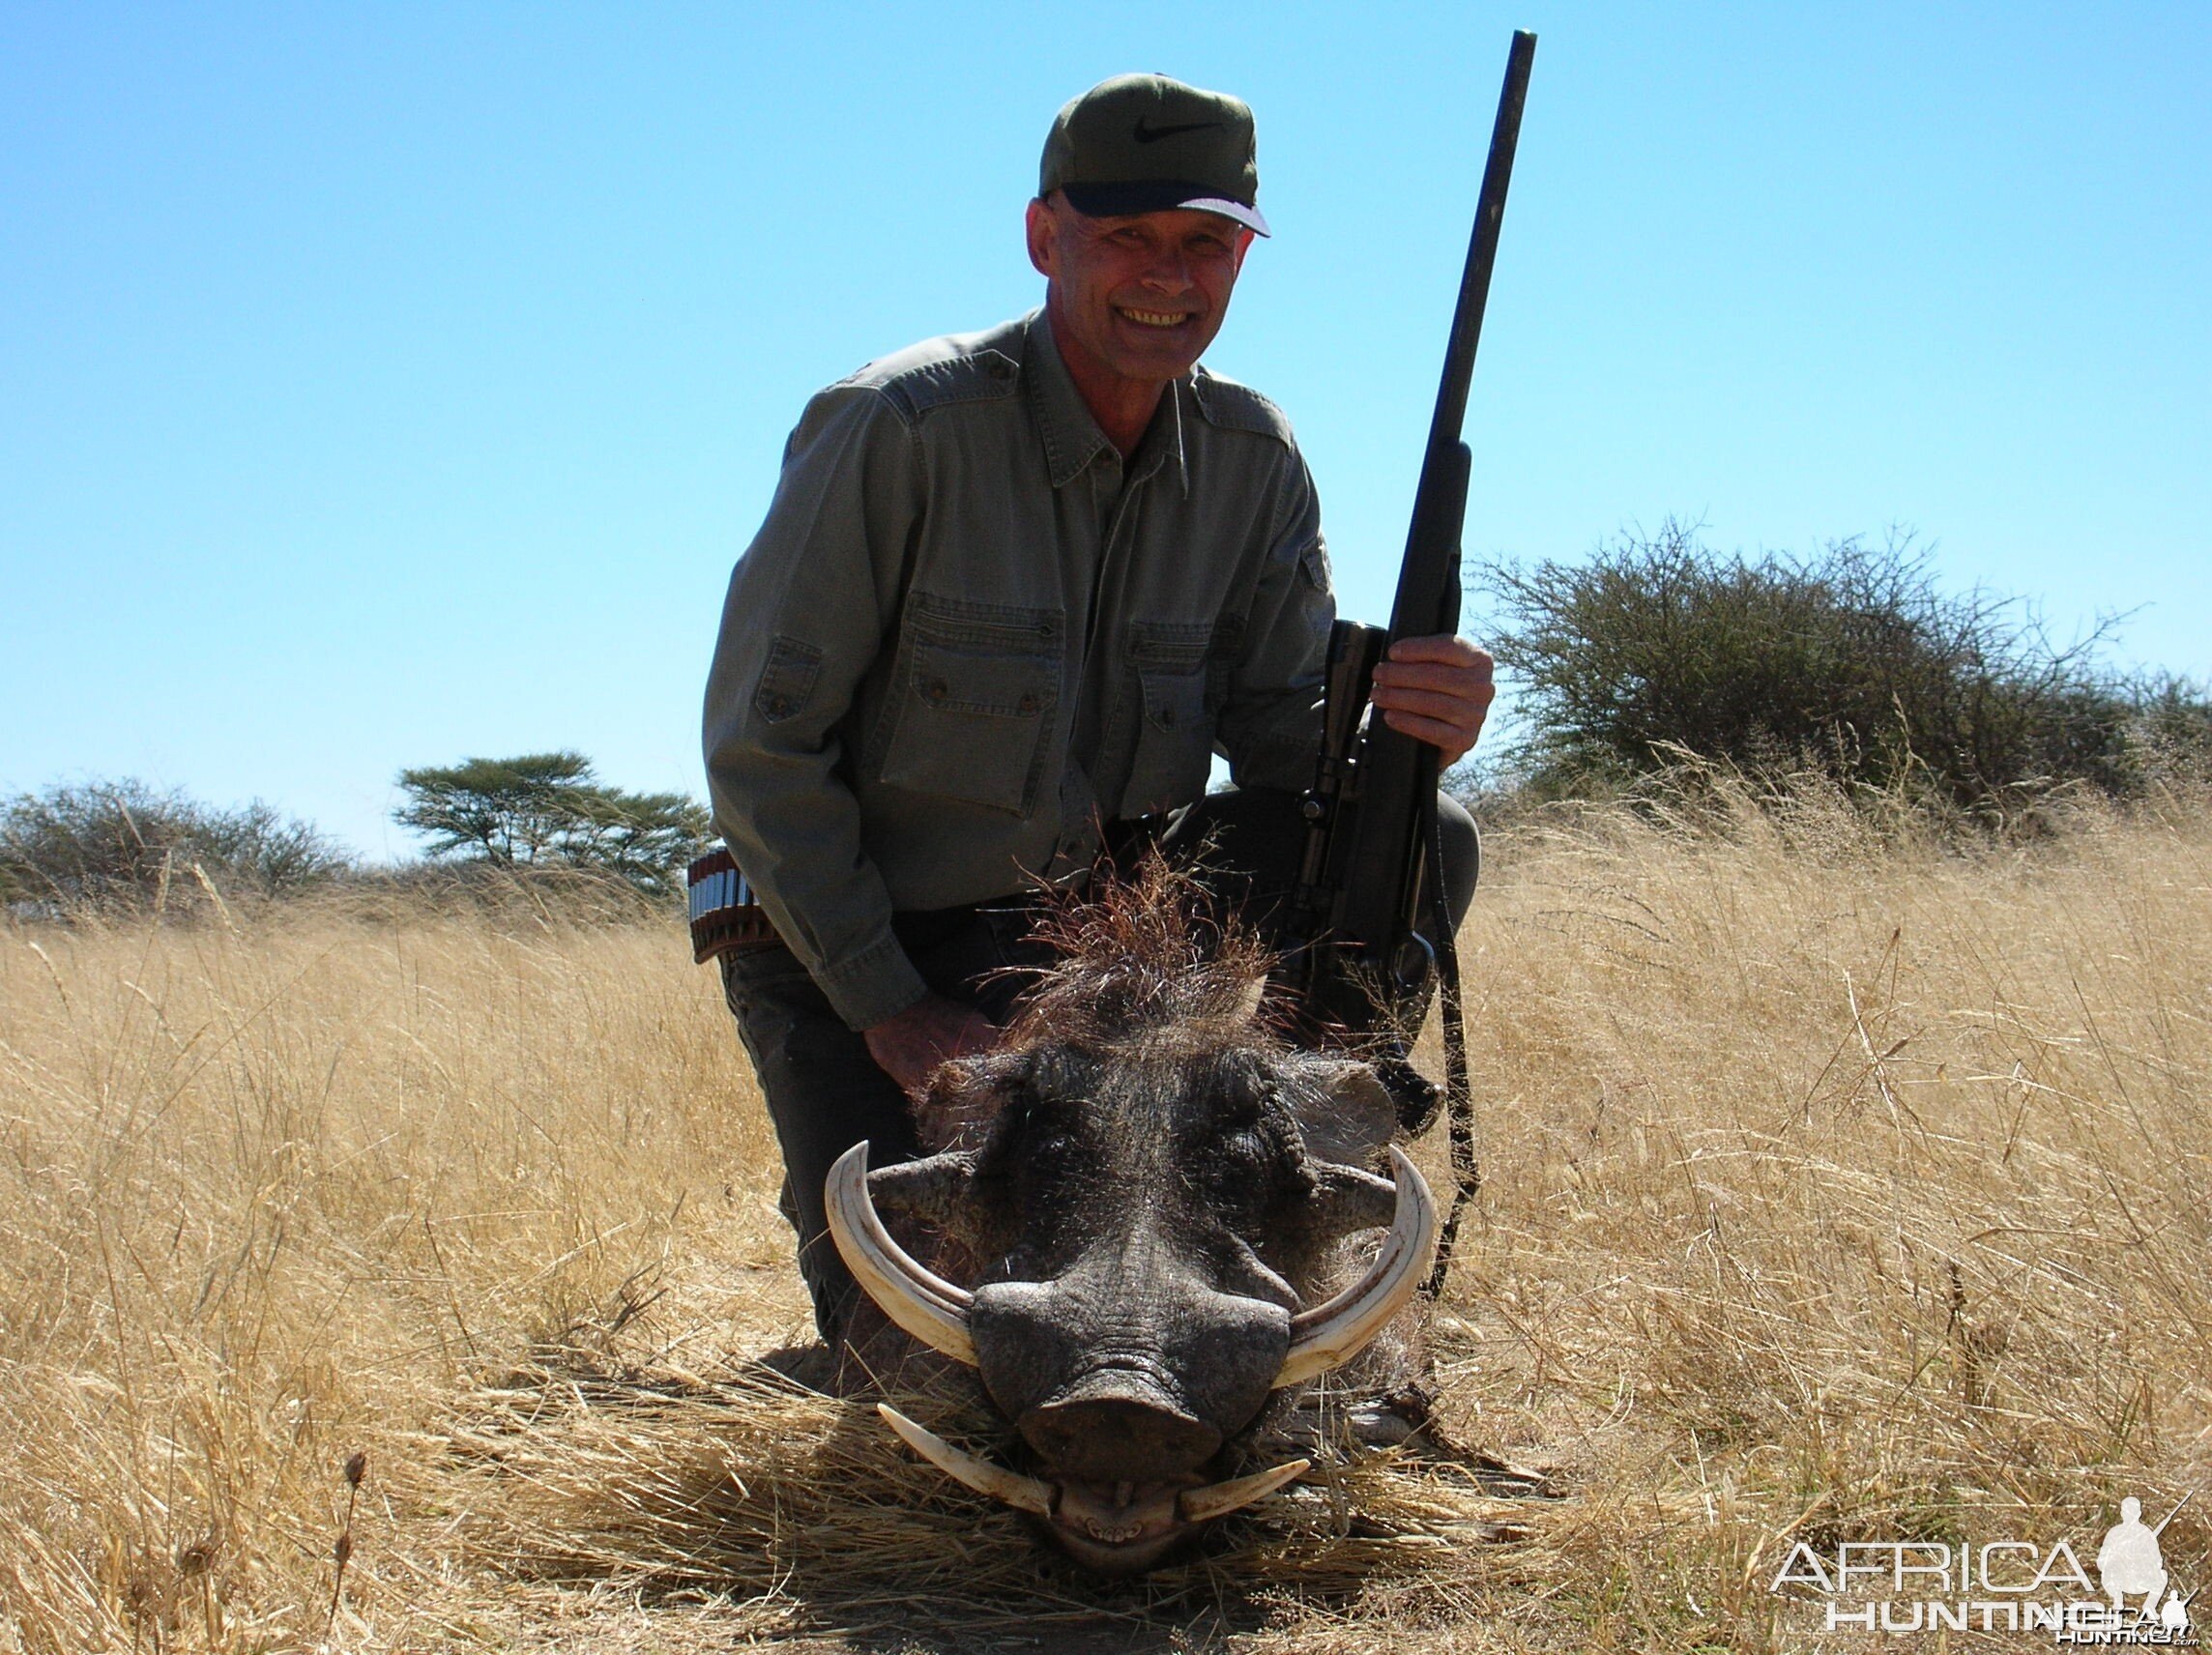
pixel 1154 134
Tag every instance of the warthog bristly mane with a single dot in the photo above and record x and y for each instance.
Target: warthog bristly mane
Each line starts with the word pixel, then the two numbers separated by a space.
pixel 1147 959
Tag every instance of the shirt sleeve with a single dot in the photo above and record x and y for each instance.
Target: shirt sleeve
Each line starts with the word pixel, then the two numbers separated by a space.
pixel 809 604
pixel 1271 728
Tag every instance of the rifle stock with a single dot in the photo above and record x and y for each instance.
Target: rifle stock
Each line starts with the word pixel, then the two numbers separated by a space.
pixel 1372 808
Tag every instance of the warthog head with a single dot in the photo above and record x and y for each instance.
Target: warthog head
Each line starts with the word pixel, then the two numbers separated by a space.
pixel 1152 1214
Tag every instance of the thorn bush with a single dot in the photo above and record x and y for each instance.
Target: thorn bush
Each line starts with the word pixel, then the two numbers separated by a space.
pixel 1852 663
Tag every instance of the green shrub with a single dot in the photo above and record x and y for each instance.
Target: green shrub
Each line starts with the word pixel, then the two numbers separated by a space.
pixel 2172 727
pixel 1851 662
pixel 121 846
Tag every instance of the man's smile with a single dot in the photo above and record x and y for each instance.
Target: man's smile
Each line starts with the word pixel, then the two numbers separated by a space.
pixel 1154 318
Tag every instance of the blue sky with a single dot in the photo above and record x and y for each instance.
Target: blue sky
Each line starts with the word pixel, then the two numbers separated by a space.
pixel 384 384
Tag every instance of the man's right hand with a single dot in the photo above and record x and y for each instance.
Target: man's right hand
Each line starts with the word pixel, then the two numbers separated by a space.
pixel 932 1030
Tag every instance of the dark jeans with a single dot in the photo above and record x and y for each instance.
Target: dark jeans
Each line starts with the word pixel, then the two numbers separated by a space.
pixel 825 1093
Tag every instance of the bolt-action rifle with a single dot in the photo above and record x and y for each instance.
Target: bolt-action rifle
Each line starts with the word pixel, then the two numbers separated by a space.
pixel 1371 863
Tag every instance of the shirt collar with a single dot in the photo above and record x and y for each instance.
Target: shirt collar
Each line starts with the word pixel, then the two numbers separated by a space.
pixel 1072 439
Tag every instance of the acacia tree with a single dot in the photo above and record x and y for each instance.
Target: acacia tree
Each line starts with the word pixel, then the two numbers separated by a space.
pixel 647 838
pixel 549 810
pixel 506 811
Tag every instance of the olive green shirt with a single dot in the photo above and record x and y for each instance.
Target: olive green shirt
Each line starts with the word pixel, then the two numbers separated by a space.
pixel 969 633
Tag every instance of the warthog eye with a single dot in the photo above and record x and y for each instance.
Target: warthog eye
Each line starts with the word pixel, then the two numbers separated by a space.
pixel 1052 1156
pixel 1245 1149
pixel 1239 1174
pixel 1052 1153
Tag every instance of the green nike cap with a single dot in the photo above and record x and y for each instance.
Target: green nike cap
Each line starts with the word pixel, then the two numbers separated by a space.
pixel 1141 143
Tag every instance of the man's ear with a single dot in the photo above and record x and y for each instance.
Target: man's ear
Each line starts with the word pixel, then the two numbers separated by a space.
pixel 1042 229
pixel 1244 240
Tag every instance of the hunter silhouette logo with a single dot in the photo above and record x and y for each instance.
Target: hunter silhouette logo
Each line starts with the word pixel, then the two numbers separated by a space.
pixel 2003 1586
pixel 2130 1562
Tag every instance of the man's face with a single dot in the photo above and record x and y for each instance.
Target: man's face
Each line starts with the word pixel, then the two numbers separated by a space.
pixel 1138 297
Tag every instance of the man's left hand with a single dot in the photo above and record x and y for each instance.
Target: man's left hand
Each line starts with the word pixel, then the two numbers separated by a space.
pixel 1436 690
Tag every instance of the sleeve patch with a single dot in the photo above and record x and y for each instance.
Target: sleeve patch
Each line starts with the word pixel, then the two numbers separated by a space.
pixel 787 681
pixel 1313 563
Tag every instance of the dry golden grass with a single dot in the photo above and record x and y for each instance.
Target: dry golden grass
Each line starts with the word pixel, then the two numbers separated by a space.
pixel 1839 1187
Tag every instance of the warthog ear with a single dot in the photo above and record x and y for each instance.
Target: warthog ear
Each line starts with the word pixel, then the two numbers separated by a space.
pixel 1343 1110
pixel 940 1189
pixel 946 1192
pixel 1347 1199
pixel 968 1097
pixel 972 1107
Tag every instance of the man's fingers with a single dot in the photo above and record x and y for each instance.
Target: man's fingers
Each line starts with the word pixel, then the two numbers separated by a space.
pixel 1449 666
pixel 1452 744
pixel 1471 682
pixel 1436 690
pixel 1444 649
pixel 1434 729
pixel 1456 704
pixel 976 1033
pixel 1443 702
pixel 934 1030
pixel 1457 683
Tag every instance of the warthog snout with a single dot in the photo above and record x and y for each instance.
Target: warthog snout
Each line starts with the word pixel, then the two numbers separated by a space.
pixel 1127 1367
pixel 1110 1437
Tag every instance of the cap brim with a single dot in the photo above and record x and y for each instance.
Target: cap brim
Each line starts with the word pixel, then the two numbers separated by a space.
pixel 1118 200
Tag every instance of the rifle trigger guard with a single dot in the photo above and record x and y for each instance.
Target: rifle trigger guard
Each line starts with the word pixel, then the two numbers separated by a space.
pixel 1429 956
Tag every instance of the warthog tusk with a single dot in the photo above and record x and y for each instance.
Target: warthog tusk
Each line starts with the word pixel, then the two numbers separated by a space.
pixel 1029 1495
pixel 925 1304
pixel 1023 1493
pixel 1337 1329
pixel 1219 1499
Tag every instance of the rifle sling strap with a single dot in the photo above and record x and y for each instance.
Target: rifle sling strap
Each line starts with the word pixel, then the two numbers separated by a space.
pixel 1459 1093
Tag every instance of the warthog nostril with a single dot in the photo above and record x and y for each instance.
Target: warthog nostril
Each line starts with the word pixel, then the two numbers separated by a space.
pixel 1119 1438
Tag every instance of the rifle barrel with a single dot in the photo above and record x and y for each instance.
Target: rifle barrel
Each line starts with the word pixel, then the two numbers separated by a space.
pixel 1410 620
pixel 1375 852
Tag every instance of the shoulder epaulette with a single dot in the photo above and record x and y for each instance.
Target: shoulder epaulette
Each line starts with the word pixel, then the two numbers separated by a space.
pixel 1235 407
pixel 914 387
pixel 978 378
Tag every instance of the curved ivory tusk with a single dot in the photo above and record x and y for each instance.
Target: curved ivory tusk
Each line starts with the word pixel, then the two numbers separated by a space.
pixel 1023 1493
pixel 1337 1329
pixel 926 1305
pixel 1219 1499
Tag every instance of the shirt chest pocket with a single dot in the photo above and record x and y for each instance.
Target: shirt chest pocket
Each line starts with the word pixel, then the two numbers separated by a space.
pixel 972 703
pixel 1168 682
